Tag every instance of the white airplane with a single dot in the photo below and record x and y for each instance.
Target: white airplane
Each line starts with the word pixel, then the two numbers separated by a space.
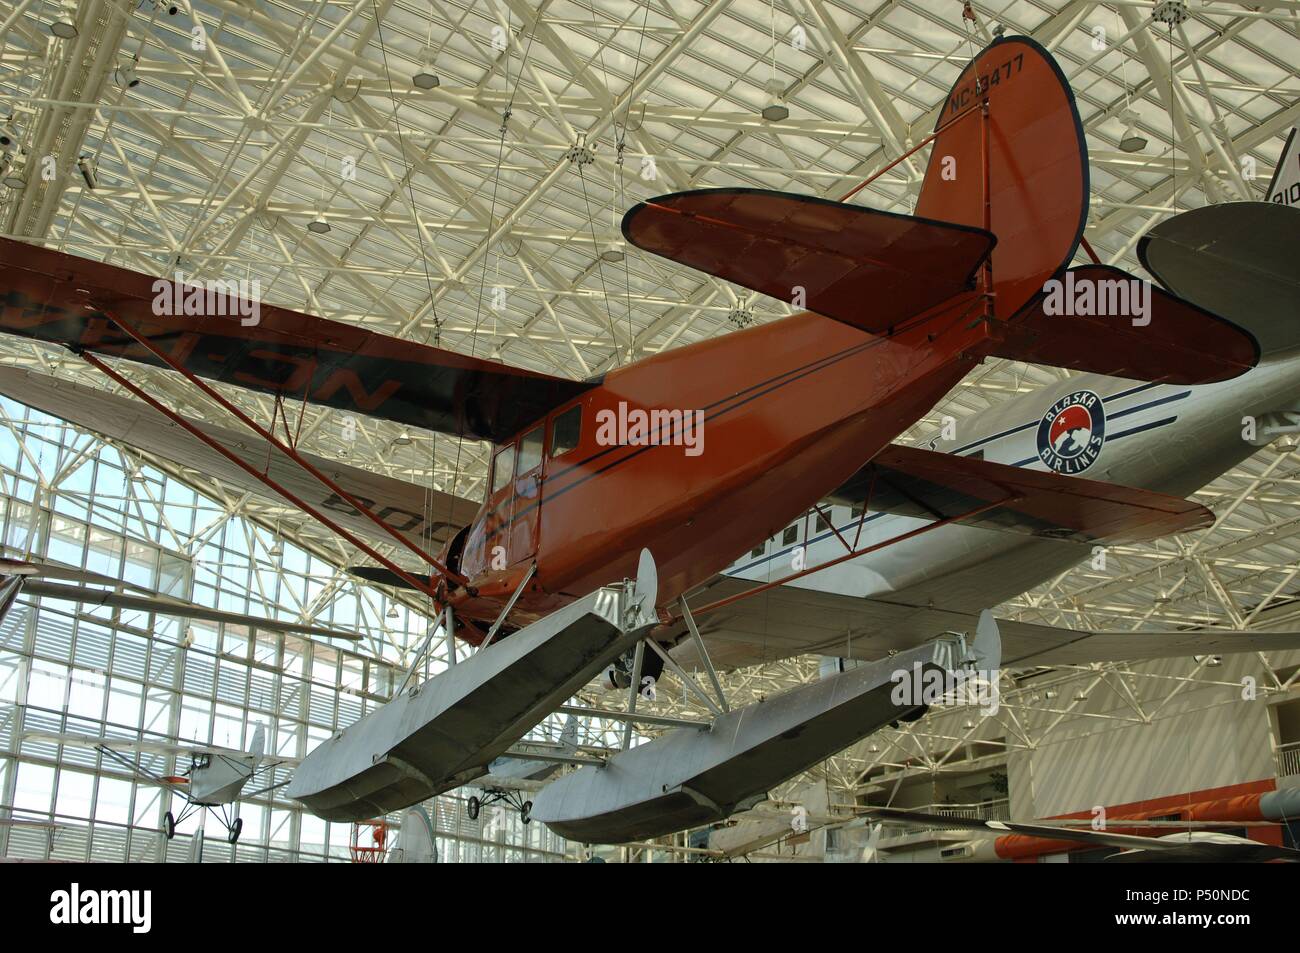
pixel 213 781
pixel 527 767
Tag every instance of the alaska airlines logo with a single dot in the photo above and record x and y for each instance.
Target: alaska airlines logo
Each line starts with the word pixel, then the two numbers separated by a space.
pixel 1071 433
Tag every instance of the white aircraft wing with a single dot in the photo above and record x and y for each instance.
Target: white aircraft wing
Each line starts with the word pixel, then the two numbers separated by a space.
pixel 504 783
pixel 788 620
pixel 43 569
pixel 165 605
pixel 424 515
pixel 148 746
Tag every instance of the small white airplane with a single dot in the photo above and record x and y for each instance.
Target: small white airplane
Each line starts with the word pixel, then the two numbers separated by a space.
pixel 526 768
pixel 214 780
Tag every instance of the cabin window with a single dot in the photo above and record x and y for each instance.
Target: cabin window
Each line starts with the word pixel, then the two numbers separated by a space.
pixel 503 467
pixel 530 450
pixel 822 524
pixel 857 511
pixel 756 552
pixel 791 535
pixel 565 430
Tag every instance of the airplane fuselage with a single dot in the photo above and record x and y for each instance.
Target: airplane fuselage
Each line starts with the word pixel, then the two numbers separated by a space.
pixel 1167 438
pixel 785 413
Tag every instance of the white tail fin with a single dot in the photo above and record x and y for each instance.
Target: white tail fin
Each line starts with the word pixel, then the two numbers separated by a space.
pixel 259 742
pixel 987 648
pixel 569 736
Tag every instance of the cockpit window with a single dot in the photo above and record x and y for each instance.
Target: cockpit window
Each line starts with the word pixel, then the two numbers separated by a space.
pixel 503 467
pixel 566 430
pixel 530 450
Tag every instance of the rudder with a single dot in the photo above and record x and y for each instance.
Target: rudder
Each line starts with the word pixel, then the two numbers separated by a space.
pixel 1036 200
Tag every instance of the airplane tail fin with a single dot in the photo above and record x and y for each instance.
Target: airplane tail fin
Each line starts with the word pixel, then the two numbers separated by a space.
pixel 986 649
pixel 569 736
pixel 999 217
pixel 1026 155
pixel 259 742
pixel 1018 168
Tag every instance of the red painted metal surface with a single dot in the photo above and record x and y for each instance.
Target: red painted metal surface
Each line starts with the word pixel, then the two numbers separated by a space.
pixel 1236 802
pixel 1037 169
pixel 285 352
pixel 1178 343
pixel 867 268
pixel 789 410
pixel 1101 512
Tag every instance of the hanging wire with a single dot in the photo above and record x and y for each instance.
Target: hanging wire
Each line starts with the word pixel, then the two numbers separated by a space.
pixel 428 504
pixel 622 186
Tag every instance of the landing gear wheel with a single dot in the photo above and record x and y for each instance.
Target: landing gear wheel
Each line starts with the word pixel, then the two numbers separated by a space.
pixel 169 825
pixel 235 830
pixel 526 812
pixel 472 807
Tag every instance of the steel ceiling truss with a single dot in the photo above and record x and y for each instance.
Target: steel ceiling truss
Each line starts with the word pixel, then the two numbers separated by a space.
pixel 220 157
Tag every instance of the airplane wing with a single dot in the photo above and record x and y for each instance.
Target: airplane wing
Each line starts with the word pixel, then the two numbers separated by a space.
pixel 52 570
pixel 164 605
pixel 506 783
pixel 420 513
pixel 61 299
pixel 910 481
pixel 1177 847
pixel 190 749
pixel 789 620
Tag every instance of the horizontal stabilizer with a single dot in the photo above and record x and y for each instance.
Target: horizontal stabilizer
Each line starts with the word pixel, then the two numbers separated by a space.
pixel 864 267
pixel 61 299
pixel 909 481
pixel 1103 320
pixel 1238 260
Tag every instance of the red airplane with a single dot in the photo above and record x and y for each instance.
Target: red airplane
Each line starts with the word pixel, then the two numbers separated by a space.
pixel 700 453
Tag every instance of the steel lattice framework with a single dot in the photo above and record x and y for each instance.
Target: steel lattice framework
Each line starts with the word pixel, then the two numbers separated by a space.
pixel 482 214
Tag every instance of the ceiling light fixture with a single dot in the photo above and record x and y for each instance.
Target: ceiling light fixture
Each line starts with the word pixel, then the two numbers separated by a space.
pixel 126 77
pixel 1132 140
pixel 775 110
pixel 319 225
pixel 86 166
pixel 64 25
pixel 425 77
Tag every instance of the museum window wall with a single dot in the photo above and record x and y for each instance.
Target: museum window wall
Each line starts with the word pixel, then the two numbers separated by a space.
pixel 70 498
